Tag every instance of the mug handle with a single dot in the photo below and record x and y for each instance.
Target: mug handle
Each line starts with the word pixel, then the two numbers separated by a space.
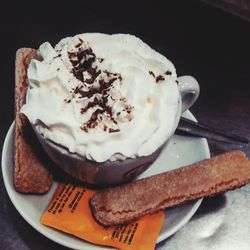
pixel 189 90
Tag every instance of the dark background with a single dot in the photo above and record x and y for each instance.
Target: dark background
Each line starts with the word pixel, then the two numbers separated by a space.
pixel 202 41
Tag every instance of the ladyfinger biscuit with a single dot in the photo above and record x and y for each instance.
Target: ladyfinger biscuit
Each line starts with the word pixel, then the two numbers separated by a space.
pixel 125 203
pixel 30 173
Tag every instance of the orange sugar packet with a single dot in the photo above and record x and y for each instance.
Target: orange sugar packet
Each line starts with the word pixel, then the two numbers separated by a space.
pixel 69 212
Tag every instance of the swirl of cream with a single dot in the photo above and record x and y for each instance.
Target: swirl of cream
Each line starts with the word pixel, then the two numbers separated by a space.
pixel 104 97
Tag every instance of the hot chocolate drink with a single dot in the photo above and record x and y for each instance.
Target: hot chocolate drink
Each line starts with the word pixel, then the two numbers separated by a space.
pixel 103 98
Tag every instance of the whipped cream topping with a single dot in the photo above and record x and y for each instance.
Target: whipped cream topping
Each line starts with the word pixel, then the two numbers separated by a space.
pixel 103 97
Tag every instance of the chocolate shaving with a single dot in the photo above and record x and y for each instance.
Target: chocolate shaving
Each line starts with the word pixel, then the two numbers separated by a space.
pixel 67 101
pixel 159 78
pixel 152 73
pixel 128 109
pixel 100 60
pixel 80 39
pixel 113 120
pixel 80 43
pixel 85 129
pixel 88 94
pixel 168 72
pixel 83 61
pixel 92 122
pixel 59 55
pixel 71 54
pixel 90 105
pixel 111 130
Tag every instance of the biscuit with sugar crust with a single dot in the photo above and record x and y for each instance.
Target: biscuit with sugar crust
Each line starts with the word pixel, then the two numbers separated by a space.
pixel 206 178
pixel 30 172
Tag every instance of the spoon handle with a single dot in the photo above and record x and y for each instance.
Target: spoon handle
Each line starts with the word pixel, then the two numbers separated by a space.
pixel 190 127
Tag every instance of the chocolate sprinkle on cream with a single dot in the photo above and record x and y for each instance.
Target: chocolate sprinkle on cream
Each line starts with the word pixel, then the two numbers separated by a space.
pixel 159 78
pixel 111 130
pixel 100 60
pixel 84 60
pixel 59 55
pixel 67 101
pixel 152 73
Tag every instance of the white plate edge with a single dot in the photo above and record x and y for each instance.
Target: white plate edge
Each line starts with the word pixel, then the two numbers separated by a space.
pixel 65 243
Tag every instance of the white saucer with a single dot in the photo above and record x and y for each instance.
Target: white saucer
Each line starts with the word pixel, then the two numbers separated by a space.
pixel 180 151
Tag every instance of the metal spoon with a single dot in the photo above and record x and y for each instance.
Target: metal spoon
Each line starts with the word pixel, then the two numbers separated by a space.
pixel 189 127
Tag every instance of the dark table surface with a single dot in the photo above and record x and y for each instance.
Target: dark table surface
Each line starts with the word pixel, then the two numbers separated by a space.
pixel 202 41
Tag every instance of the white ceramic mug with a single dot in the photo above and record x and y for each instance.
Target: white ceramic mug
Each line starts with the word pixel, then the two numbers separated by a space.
pixel 116 172
pixel 189 90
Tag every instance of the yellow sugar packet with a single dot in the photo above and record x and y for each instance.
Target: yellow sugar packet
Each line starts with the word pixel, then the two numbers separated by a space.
pixel 69 212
